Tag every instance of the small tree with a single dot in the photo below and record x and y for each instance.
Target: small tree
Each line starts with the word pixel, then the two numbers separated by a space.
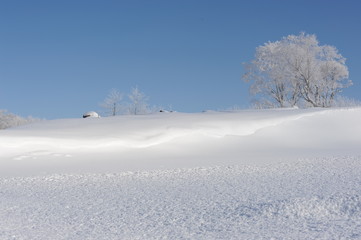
pixel 112 103
pixel 138 102
pixel 297 70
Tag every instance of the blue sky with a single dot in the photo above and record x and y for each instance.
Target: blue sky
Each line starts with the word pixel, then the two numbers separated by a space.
pixel 59 59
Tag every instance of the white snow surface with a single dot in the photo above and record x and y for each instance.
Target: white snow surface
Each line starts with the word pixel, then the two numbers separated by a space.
pixel 252 174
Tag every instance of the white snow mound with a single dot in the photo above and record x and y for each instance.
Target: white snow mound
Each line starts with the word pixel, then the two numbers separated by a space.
pixel 178 139
pixel 270 174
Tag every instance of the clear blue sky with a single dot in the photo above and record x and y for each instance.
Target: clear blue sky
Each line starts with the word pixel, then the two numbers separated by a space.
pixel 59 59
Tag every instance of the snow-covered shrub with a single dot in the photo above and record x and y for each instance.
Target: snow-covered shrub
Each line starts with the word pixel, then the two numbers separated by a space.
pixel 8 120
pixel 342 101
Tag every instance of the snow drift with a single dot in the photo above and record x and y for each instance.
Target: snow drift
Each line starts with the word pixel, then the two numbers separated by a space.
pixel 282 174
pixel 168 140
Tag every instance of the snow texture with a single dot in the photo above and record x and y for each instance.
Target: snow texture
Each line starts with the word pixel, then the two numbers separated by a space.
pixel 275 174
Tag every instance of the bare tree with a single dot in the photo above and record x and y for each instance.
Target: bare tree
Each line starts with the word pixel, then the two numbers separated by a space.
pixel 112 103
pixel 138 102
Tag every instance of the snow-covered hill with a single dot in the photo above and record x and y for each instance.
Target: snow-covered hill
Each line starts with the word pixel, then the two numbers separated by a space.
pixel 250 174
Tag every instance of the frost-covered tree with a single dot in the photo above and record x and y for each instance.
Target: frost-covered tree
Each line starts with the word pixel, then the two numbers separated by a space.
pixel 271 77
pixel 112 103
pixel 297 71
pixel 138 102
pixel 8 120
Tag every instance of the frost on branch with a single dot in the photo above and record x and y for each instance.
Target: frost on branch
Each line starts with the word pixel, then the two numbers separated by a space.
pixel 297 71
pixel 112 104
pixel 138 102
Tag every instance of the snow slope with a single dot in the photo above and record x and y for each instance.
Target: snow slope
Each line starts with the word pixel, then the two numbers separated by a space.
pixel 177 140
pixel 283 174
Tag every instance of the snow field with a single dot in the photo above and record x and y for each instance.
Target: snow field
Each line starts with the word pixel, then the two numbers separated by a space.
pixel 311 199
pixel 270 174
